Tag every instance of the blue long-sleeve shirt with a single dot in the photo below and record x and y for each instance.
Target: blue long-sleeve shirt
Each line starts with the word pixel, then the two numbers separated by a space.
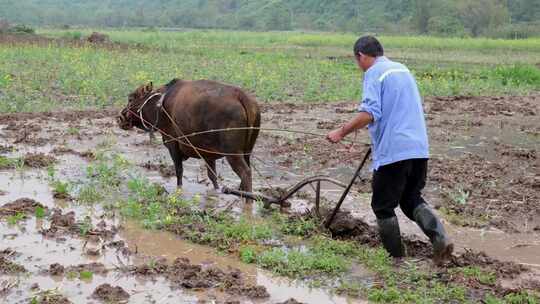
pixel 391 96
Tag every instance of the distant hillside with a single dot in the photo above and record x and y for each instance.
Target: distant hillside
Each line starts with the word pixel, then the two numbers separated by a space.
pixel 441 17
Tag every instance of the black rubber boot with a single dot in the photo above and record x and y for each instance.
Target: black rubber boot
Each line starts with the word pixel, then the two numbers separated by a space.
pixel 434 230
pixel 391 237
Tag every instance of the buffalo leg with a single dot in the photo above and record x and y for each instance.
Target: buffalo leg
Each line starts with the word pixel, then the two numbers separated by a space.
pixel 211 171
pixel 241 168
pixel 176 156
pixel 247 159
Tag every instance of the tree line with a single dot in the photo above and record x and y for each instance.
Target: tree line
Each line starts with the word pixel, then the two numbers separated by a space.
pixel 496 18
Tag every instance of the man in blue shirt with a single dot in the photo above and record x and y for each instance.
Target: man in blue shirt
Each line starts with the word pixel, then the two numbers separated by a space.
pixel 392 109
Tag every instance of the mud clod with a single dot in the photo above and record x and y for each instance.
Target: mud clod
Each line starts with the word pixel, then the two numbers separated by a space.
pixel 163 169
pixel 96 268
pixel 51 298
pixel 183 274
pixel 88 155
pixel 8 267
pixel 110 294
pixel 56 269
pixel 346 226
pixel 62 220
pixel 66 223
pixel 22 205
pixel 38 160
pixel 155 267
pixel 503 269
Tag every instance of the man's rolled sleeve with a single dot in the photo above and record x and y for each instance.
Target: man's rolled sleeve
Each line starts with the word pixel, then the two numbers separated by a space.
pixel 371 99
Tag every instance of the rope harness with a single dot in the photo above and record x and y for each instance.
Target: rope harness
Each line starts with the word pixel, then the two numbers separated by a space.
pixel 154 127
pixel 159 105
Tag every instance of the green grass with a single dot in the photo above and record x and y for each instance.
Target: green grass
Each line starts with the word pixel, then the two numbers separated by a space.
pixel 86 275
pixel 16 219
pixel 320 260
pixel 10 163
pixel 295 247
pixel 40 212
pixel 482 276
pixel 294 66
pixel 60 188
pixel 103 177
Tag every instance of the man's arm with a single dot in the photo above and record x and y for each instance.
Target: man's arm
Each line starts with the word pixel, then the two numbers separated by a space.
pixel 361 120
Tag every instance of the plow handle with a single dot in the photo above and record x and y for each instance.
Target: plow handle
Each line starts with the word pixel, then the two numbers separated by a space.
pixel 344 195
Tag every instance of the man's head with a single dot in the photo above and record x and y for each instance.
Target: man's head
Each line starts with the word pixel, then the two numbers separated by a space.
pixel 366 50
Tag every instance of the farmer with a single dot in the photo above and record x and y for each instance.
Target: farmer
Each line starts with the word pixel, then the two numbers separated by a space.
pixel 391 107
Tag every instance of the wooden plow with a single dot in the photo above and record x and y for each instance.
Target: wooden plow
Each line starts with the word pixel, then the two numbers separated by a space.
pixel 317 180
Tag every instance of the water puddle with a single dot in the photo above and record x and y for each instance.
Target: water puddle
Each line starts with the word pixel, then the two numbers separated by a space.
pixel 38 252
pixel 26 240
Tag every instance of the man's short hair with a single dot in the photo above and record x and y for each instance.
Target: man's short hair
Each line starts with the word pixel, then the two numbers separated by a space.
pixel 368 45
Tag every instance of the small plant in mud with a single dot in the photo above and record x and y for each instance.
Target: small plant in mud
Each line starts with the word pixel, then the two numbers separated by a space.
pixel 148 202
pixel 51 172
pixel 103 178
pixel 351 288
pixel 16 218
pixel 72 275
pixel 301 263
pixel 86 275
pixel 107 169
pixel 460 196
pixel 52 296
pixel 247 254
pixel 73 131
pixel 89 194
pixel 464 220
pixel 474 272
pixel 522 298
pixel 85 226
pixel 11 163
pixel 60 189
pixel 107 143
pixel 298 225
pixel 40 212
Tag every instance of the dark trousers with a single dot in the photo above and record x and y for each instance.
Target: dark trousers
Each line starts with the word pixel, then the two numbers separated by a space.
pixel 400 183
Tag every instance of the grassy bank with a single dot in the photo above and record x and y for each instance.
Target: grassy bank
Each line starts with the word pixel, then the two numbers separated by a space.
pixel 292 66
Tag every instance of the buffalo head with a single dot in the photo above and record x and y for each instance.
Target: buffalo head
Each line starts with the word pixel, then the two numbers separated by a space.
pixel 128 117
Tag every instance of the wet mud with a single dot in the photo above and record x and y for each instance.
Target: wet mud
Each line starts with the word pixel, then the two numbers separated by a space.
pixel 110 294
pixel 21 206
pixel 483 180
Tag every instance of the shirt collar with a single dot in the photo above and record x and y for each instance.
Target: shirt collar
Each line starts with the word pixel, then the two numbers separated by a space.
pixel 378 60
pixel 381 59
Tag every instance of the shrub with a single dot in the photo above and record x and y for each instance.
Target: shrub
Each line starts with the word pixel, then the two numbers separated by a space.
pixel 21 28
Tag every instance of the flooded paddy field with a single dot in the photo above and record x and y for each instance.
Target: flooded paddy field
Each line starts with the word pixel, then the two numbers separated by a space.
pixel 91 214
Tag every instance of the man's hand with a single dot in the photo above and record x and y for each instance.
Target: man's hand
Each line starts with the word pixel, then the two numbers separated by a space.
pixel 361 120
pixel 335 136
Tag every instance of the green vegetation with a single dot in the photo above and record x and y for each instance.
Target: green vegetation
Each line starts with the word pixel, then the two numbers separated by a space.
pixel 512 18
pixel 16 218
pixel 292 67
pixel 60 188
pixel 85 226
pixel 291 246
pixel 86 275
pixel 10 163
pixel 40 212
pixel 486 278
pixel 102 178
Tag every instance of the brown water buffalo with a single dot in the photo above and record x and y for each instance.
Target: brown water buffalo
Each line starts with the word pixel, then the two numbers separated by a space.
pixel 198 106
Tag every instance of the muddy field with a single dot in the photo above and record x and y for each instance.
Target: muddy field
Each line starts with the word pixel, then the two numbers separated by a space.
pixel 484 181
